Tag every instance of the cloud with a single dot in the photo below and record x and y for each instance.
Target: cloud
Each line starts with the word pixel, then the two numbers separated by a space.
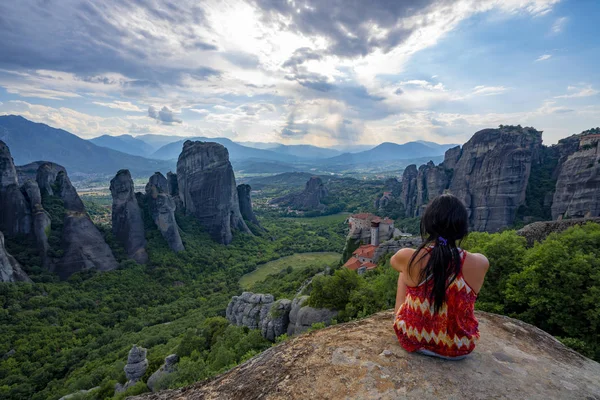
pixel 543 57
pixel 559 25
pixel 575 92
pixel 120 105
pixel 163 116
pixel 488 90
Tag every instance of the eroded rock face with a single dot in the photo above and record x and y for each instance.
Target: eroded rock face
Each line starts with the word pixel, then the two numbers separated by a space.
pixel 577 192
pixel 162 208
pixel 302 316
pixel 489 174
pixel 41 223
pixel 392 246
pixel 208 190
pixel 46 176
pixel 539 231
pixel 167 368
pixel 15 213
pixel 136 367
pixel 307 200
pixel 246 203
pixel 10 269
pixel 363 360
pixel 127 221
pixel 82 243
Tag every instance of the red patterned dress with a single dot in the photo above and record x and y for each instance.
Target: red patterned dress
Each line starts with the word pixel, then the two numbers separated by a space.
pixel 451 332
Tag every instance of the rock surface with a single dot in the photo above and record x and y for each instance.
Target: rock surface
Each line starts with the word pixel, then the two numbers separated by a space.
pixel 208 190
pixel 40 219
pixel 538 231
pixel 513 360
pixel 489 174
pixel 164 370
pixel 15 213
pixel 46 177
pixel 162 209
pixel 577 193
pixel 307 200
pixel 392 246
pixel 10 269
pixel 82 243
pixel 274 318
pixel 127 221
pixel 137 363
pixel 246 203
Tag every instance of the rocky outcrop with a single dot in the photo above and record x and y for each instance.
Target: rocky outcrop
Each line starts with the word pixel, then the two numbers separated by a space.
pixel 46 177
pixel 208 190
pixel 15 213
pixel 82 243
pixel 539 231
pixel 307 200
pixel 246 203
pixel 260 311
pixel 577 193
pixel 274 318
pixel 127 221
pixel 136 367
pixel 162 209
pixel 302 316
pixel 167 368
pixel 489 174
pixel 392 246
pixel 41 222
pixel 10 269
pixel 362 360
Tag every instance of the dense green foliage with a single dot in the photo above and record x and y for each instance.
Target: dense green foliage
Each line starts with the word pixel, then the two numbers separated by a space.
pixel 554 285
pixel 75 335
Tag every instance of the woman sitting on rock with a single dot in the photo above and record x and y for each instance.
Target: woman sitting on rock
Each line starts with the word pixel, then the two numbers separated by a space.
pixel 438 285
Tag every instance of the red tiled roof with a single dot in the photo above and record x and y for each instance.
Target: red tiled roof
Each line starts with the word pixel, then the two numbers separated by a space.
pixel 366 251
pixel 369 266
pixel 376 220
pixel 352 264
pixel 388 221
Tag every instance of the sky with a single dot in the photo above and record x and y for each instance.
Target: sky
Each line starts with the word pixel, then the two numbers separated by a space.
pixel 327 73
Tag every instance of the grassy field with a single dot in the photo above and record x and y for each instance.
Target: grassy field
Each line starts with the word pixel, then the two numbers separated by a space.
pixel 298 260
pixel 334 218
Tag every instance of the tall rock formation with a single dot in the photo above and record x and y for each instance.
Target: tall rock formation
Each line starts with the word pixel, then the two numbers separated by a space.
pixel 82 243
pixel 46 176
pixel 363 360
pixel 10 269
pixel 208 190
pixel 490 174
pixel 127 221
pixel 246 203
pixel 15 213
pixel 162 209
pixel 307 200
pixel 577 193
pixel 40 219
pixel 136 367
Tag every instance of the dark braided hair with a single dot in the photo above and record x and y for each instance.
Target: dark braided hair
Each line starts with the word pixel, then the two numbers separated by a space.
pixel 444 223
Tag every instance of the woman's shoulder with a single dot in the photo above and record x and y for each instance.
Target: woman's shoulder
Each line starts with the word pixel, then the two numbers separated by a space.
pixel 477 260
pixel 401 259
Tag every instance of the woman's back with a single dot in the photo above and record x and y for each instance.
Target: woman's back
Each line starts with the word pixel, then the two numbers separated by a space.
pixel 453 329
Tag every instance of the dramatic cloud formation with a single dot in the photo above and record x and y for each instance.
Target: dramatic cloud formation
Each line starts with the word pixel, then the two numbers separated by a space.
pixel 321 72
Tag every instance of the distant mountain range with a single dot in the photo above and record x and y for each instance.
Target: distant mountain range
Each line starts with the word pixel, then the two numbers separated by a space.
pixel 145 154
pixel 29 141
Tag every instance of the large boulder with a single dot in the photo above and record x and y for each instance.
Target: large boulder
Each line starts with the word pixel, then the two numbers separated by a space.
pixel 127 221
pixel 363 360
pixel 246 203
pixel 302 317
pixel 10 269
pixel 162 208
pixel 208 191
pixel 539 231
pixel 307 200
pixel 136 367
pixel 165 369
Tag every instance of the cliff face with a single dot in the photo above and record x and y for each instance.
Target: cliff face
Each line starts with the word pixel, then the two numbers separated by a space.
pixel 307 200
pixel 127 221
pixel 577 192
pixel 208 190
pixel 539 231
pixel 15 213
pixel 162 209
pixel 246 203
pixel 10 269
pixel 362 360
pixel 489 174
